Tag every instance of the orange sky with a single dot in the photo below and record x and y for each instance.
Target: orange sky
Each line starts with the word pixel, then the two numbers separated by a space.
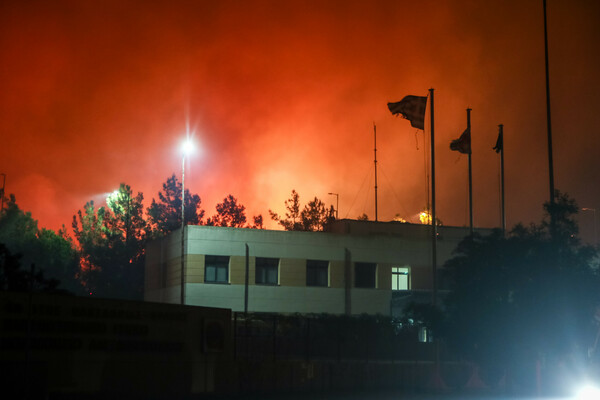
pixel 282 95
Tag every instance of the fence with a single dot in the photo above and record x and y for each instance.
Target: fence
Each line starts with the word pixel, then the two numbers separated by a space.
pixel 325 337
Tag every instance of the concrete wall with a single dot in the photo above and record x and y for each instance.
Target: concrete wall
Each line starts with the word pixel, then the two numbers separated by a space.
pixel 68 345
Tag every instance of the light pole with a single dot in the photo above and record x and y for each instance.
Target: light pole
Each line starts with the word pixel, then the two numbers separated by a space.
pixel 337 203
pixel 593 210
pixel 2 193
pixel 187 149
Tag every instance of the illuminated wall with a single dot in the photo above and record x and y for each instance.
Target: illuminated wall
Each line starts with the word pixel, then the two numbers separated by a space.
pixel 358 256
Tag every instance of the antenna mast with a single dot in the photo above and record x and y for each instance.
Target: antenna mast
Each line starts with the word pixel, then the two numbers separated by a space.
pixel 375 153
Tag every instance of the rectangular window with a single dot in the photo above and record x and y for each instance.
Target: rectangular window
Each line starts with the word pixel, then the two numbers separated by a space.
pixel 364 275
pixel 216 269
pixel 317 273
pixel 400 278
pixel 267 271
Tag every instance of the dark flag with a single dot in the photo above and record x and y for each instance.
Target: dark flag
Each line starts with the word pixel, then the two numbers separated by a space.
pixel 499 143
pixel 412 108
pixel 463 143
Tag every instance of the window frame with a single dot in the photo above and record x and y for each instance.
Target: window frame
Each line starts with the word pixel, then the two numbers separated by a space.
pixel 217 265
pixel 313 268
pixel 398 271
pixel 359 272
pixel 267 264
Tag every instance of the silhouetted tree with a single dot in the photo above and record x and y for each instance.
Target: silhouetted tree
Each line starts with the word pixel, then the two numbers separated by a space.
pixel 258 222
pixel 292 221
pixel 14 278
pixel 229 213
pixel 532 292
pixel 112 242
pixel 313 217
pixel 164 215
pixel 52 253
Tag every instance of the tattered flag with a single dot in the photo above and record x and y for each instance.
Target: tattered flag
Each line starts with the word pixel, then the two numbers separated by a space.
pixel 499 143
pixel 412 108
pixel 463 143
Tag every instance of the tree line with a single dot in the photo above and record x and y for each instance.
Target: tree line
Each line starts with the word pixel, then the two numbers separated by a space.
pixel 511 300
pixel 105 254
pixel 522 303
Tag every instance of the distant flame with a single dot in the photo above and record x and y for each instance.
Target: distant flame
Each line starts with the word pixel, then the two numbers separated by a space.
pixel 425 217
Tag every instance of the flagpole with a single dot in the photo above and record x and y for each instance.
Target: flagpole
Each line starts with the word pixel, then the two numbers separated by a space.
pixel 470 172
pixel 413 109
pixel 501 134
pixel 182 292
pixel 433 213
pixel 549 122
pixel 436 379
pixel 375 155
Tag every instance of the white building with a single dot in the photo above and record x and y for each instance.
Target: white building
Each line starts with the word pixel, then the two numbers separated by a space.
pixel 356 267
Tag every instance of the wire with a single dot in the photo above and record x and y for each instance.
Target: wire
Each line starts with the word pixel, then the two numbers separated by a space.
pixel 364 207
pixel 359 190
pixel 393 191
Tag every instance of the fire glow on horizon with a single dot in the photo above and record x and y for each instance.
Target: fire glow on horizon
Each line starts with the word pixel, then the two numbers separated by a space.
pixel 283 96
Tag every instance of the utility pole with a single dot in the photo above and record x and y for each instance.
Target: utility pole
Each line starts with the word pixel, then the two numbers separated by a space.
pixel 501 140
pixel 470 172
pixel 549 120
pixel 433 208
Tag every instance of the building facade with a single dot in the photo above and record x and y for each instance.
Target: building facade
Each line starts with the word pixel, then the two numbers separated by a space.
pixel 355 267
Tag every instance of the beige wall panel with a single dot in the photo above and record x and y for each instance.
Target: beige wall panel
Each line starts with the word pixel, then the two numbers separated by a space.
pixel 194 268
pixel 336 274
pixel 251 270
pixel 237 270
pixel 292 272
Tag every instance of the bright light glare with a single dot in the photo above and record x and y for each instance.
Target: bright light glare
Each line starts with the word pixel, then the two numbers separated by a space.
pixel 425 217
pixel 112 195
pixel 112 201
pixel 188 147
pixel 588 392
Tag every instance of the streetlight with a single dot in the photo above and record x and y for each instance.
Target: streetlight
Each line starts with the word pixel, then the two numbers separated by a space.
pixel 593 210
pixel 186 149
pixel 337 203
